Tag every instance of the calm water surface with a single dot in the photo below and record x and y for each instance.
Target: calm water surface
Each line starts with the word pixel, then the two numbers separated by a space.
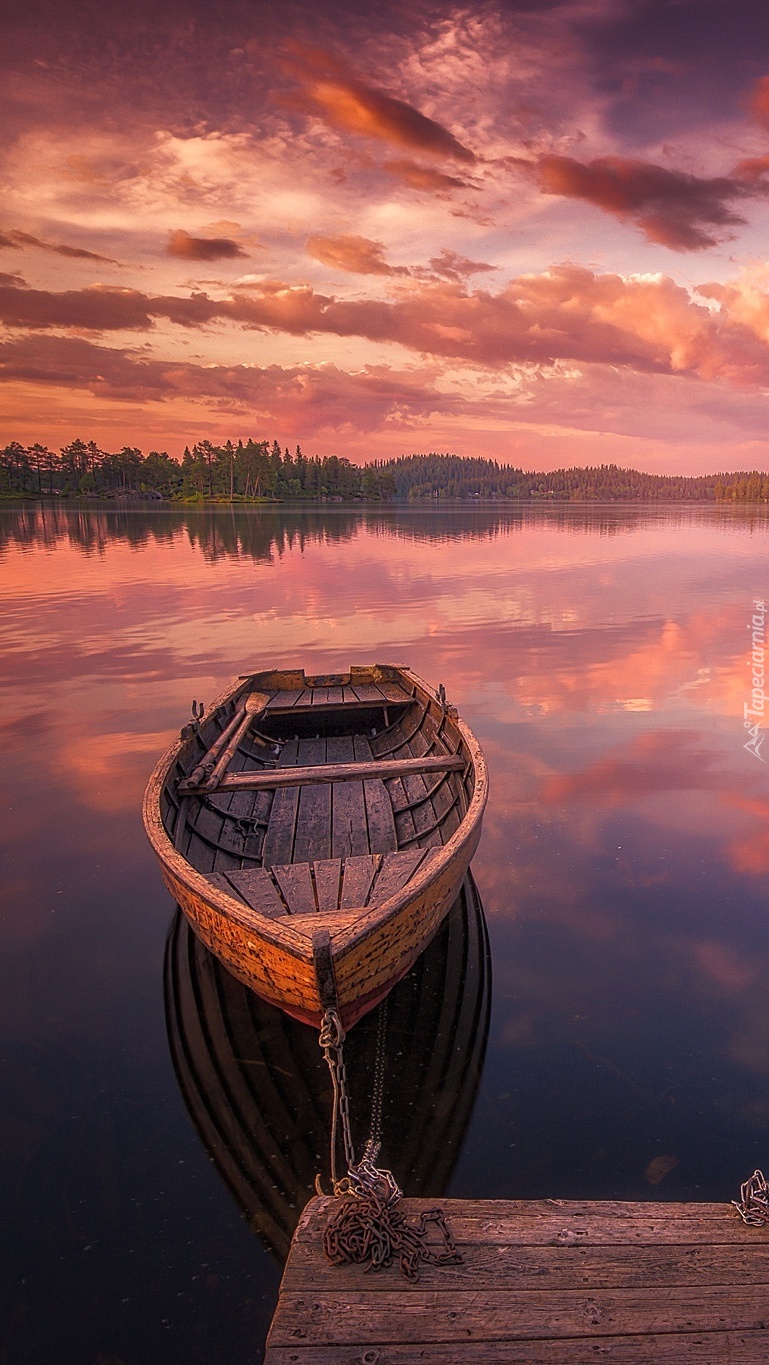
pixel 601 657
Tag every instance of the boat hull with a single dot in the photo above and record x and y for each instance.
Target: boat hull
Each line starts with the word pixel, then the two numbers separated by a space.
pixel 368 948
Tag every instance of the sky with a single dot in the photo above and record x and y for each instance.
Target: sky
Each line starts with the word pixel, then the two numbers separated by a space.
pixel 534 232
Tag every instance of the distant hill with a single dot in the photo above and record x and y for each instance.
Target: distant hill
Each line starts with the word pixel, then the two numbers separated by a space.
pixel 422 478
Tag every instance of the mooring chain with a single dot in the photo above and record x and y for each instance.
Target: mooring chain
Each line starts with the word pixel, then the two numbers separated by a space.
pixel 753 1204
pixel 372 1230
pixel 368 1225
pixel 374 1144
pixel 331 1039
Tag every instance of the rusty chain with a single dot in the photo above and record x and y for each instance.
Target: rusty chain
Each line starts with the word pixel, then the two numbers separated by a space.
pixel 368 1225
pixel 753 1204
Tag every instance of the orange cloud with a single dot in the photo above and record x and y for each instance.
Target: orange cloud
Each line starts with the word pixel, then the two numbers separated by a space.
pixel 752 169
pixel 759 100
pixel 358 255
pixel 354 107
pixel 681 211
pixel 351 105
pixel 181 244
pixel 745 301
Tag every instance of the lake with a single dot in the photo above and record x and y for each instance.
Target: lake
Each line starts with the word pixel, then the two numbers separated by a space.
pixel 605 657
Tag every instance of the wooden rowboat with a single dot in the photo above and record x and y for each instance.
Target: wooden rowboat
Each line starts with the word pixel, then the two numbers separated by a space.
pixel 257 1088
pixel 315 831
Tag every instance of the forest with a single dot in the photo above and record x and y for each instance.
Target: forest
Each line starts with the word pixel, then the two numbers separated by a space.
pixel 255 471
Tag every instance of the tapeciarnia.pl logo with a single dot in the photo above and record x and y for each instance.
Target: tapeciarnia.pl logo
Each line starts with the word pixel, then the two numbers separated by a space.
pixel 754 710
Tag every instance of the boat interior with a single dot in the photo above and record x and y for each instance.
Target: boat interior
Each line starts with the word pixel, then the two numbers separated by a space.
pixel 307 794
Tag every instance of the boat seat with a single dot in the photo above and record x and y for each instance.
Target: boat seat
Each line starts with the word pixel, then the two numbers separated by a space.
pixel 326 885
pixel 267 779
pixel 360 697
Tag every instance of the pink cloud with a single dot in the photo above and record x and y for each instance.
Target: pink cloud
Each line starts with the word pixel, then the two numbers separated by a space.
pixel 302 398
pixel 649 325
pixel 15 240
pixel 101 308
pixel 657 762
pixel 452 266
pixel 426 178
pixel 681 211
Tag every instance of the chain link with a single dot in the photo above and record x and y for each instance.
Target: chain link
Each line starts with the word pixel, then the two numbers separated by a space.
pixel 362 1177
pixel 753 1204
pixel 374 1144
pixel 368 1225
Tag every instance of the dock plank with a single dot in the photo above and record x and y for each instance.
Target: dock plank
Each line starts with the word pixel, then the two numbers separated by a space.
pixel 509 1315
pixel 691 1348
pixel 565 1267
pixel 545 1282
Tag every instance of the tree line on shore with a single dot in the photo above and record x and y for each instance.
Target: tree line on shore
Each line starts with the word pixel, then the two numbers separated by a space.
pixel 254 471
pixel 247 471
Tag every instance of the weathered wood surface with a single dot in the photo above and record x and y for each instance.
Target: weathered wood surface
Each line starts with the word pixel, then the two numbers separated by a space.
pixel 336 772
pixel 556 1282
pixel 325 885
pixel 360 697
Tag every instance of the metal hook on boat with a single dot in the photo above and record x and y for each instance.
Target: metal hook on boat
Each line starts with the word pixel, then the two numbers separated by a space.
pixel 198 707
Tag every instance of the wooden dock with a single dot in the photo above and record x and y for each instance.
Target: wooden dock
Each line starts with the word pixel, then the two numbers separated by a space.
pixel 546 1282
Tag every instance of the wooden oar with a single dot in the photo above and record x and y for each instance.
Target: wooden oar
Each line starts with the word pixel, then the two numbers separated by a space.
pixel 206 765
pixel 255 702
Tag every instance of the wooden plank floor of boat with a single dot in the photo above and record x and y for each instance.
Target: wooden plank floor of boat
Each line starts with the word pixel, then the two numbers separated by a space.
pixel 343 819
pixel 545 1282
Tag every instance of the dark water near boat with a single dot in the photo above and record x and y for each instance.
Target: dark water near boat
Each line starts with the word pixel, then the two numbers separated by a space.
pixel 602 657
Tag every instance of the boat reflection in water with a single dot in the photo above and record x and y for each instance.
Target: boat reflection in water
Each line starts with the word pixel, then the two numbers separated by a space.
pixel 258 1089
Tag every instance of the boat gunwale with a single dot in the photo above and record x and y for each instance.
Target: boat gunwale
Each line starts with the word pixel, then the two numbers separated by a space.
pixel 294 932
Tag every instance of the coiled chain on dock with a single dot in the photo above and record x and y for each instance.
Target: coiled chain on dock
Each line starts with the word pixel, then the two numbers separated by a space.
pixel 370 1229
pixel 753 1204
pixel 368 1225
